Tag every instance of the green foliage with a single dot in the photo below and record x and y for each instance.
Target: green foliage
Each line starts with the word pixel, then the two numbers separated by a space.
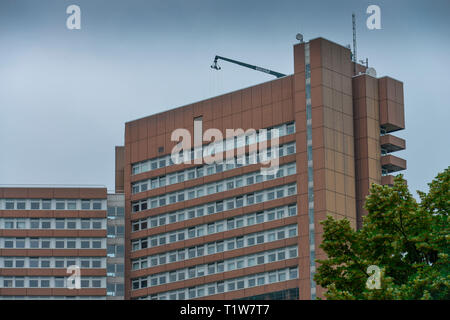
pixel 408 241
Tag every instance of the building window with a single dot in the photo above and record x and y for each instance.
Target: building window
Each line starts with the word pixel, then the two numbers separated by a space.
pixel 59 282
pixel 85 204
pixel 60 205
pixel 46 204
pixel 9 205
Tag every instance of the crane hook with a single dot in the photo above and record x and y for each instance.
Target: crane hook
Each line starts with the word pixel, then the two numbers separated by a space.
pixel 214 65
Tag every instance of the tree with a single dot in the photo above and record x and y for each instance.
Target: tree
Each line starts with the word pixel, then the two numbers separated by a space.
pixel 408 241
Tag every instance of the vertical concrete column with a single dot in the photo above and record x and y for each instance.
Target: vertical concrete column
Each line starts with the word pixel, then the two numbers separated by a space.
pixel 366 119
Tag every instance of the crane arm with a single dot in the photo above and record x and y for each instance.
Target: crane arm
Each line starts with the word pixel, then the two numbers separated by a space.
pixel 274 73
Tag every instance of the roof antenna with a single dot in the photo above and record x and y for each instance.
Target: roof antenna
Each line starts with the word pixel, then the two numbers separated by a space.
pixel 354 41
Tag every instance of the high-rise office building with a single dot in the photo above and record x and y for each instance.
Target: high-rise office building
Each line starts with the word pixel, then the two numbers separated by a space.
pixel 210 228
pixel 225 230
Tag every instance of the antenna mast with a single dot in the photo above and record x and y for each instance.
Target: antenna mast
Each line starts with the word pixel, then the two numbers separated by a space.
pixel 354 41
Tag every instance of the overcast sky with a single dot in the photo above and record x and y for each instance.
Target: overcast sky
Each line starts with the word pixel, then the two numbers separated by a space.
pixel 66 94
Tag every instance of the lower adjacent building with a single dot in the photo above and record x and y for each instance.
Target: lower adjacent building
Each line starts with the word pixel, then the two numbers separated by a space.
pixel 48 235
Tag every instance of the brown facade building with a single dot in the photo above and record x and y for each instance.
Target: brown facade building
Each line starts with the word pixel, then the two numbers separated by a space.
pixel 222 229
pixel 226 231
pixel 44 232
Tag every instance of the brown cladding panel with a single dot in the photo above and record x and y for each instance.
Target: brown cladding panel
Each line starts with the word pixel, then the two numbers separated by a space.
pixel 119 169
pixel 392 115
pixel 54 193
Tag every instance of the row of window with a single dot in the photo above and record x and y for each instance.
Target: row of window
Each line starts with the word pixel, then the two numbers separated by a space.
pixel 240 283
pixel 52 204
pixel 213 207
pixel 247 240
pixel 212 228
pixel 236 202
pixel 309 154
pixel 216 267
pixel 52 223
pixel 286 294
pixel 50 282
pixel 52 262
pixel 216 147
pixel 228 224
pixel 206 170
pixel 52 243
pixel 52 298
pixel 211 188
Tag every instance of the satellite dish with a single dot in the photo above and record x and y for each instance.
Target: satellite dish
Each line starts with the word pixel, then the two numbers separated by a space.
pixel 371 72
pixel 299 37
